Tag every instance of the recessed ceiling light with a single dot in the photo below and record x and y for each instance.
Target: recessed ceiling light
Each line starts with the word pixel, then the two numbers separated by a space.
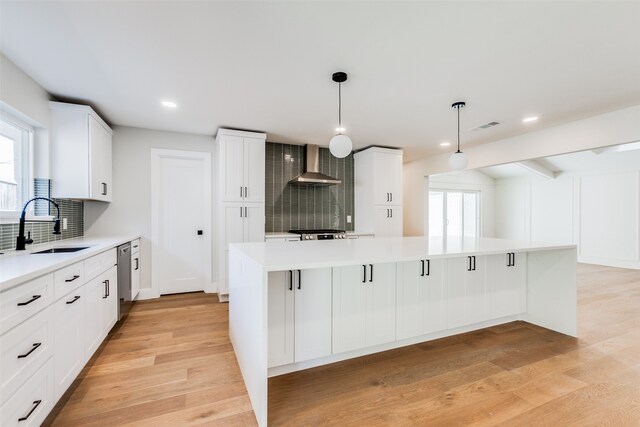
pixel 169 104
pixel 445 144
pixel 530 119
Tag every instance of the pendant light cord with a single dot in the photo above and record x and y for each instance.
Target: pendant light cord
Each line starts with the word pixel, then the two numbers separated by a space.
pixel 340 107
pixel 458 108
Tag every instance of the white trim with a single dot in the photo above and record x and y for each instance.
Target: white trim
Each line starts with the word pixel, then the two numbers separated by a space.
pixel 156 155
pixel 147 293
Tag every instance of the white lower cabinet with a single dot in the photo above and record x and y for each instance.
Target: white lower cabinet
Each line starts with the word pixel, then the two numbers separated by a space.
pixel 421 297
pixel 101 309
pixel 466 286
pixel 30 405
pixel 364 306
pixel 69 313
pixel 24 349
pixel 506 284
pixel 299 315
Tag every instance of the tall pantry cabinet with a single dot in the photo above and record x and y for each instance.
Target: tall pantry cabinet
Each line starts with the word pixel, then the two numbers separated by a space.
pixel 378 191
pixel 241 194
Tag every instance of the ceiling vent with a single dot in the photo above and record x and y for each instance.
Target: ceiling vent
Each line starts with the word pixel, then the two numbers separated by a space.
pixel 485 126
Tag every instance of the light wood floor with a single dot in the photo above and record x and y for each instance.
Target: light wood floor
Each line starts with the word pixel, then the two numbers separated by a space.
pixel 171 363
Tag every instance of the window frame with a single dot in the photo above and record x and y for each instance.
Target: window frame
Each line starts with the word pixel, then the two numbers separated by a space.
pixel 13 216
pixel 445 191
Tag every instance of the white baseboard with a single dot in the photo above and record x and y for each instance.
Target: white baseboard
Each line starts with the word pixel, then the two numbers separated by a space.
pixel 147 293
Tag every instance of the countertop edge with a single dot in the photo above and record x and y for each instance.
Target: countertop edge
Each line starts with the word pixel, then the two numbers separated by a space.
pixel 103 243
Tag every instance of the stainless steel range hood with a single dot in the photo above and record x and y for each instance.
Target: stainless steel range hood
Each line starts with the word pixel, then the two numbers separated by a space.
pixel 311 173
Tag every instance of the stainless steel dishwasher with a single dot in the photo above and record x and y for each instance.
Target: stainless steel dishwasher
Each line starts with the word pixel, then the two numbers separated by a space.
pixel 124 279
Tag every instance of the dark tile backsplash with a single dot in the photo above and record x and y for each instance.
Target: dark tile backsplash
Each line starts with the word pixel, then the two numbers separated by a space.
pixel 41 232
pixel 289 207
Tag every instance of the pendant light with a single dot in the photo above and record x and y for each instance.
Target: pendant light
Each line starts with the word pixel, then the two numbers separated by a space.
pixel 458 160
pixel 340 145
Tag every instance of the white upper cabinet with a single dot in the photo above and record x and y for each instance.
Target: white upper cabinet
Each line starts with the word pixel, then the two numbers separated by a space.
pixel 242 163
pixel 378 191
pixel 81 159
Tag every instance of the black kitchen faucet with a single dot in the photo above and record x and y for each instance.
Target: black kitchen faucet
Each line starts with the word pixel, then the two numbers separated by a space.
pixel 21 241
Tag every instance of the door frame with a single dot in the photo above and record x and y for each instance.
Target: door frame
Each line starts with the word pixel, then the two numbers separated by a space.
pixel 157 154
pixel 445 192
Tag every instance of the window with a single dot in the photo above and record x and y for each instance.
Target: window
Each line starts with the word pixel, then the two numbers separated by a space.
pixel 454 213
pixel 15 164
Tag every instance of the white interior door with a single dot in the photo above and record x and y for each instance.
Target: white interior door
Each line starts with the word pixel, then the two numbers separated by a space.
pixel 181 221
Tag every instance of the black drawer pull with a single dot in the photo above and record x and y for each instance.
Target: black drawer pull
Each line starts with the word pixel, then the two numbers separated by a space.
pixel 371 269
pixel 137 264
pixel 106 289
pixel 428 267
pixel 75 298
pixel 35 297
pixel 422 271
pixel 75 276
pixel 290 280
pixel 364 273
pixel 299 280
pixel 36 403
pixel 33 348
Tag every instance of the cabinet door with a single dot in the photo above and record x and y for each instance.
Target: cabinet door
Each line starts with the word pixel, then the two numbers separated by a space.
pixel 466 291
pixel 232 230
pixel 135 275
pixel 69 340
pixel 110 303
pixel 394 224
pixel 312 314
pixel 348 312
pixel 232 168
pixel 394 168
pixel 253 222
pixel 94 292
pixel 506 285
pixel 280 320
pixel 381 304
pixel 99 161
pixel 421 298
pixel 383 219
pixel 254 170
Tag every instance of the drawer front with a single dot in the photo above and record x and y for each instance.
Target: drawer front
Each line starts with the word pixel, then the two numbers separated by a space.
pixel 24 350
pixel 23 301
pixel 135 246
pixel 31 404
pixel 98 264
pixel 68 279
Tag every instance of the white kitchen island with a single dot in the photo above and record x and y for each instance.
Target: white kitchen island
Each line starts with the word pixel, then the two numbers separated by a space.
pixel 296 305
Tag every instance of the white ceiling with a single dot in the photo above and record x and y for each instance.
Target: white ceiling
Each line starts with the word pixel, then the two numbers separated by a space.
pixel 267 65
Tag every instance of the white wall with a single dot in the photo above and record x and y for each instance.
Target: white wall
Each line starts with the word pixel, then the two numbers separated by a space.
pixel 130 210
pixel 596 208
pixel 475 181
pixel 23 97
pixel 613 128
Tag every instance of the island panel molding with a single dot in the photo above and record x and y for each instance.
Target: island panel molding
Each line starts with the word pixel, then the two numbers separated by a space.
pixel 477 283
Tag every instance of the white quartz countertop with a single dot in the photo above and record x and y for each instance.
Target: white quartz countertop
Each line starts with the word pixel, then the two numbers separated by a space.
pixel 330 253
pixel 20 266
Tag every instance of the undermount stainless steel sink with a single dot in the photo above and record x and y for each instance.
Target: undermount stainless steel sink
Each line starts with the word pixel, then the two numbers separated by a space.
pixel 61 250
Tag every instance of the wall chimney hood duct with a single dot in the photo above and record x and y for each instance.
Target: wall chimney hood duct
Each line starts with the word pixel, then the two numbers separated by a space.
pixel 311 173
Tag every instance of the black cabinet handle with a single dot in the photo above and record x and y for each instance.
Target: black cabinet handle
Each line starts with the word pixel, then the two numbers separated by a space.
pixel 75 298
pixel 299 279
pixel 35 297
pixel 474 262
pixel 104 188
pixel 391 197
pixel 371 276
pixel 108 288
pixel 290 280
pixel 240 191
pixel 364 273
pixel 387 197
pixel 246 192
pixel 428 267
pixel 33 348
pixel 469 267
pixel 422 271
pixel 391 213
pixel 245 212
pixel 240 210
pixel 137 263
pixel 36 403
pixel 75 276
pixel 106 294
